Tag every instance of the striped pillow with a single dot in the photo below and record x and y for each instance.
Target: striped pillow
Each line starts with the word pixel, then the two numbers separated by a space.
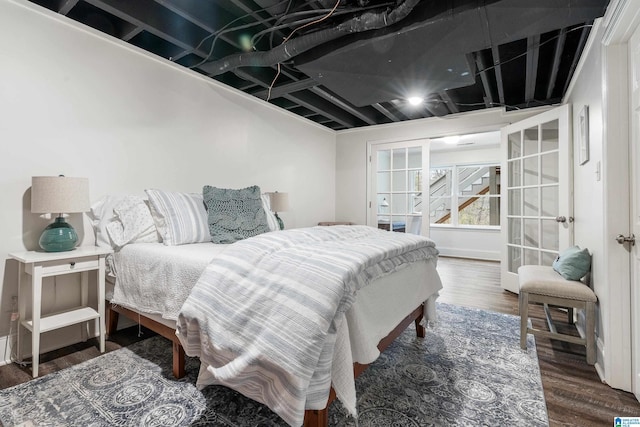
pixel 181 218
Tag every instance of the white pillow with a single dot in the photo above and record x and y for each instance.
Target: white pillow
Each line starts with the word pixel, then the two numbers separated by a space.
pixel 272 222
pixel 102 214
pixel 180 218
pixel 133 223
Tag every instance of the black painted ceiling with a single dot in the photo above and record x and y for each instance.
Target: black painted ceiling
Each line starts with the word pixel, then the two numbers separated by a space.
pixel 352 63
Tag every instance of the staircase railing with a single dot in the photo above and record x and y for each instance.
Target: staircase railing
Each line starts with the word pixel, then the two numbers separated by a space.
pixel 473 182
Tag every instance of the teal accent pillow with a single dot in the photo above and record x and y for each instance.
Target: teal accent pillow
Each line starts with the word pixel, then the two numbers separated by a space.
pixel 573 263
pixel 234 214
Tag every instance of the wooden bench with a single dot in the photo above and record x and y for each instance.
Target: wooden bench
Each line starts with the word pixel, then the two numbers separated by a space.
pixel 543 285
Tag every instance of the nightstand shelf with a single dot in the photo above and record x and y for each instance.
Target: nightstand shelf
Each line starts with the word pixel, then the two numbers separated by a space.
pixel 63 318
pixel 37 266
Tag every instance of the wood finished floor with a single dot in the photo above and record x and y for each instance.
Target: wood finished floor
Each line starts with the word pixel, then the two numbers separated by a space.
pixel 574 394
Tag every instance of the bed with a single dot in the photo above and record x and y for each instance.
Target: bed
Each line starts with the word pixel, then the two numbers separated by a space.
pixel 156 285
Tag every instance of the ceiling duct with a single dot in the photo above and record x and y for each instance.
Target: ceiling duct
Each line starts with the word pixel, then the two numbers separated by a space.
pixel 295 46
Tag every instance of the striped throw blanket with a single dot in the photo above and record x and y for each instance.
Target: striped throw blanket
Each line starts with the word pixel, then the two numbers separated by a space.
pixel 263 316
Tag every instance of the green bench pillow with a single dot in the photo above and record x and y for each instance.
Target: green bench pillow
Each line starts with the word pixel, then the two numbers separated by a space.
pixel 573 263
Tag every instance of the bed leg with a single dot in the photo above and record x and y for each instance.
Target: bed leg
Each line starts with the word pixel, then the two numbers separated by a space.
pixel 420 330
pixel 112 321
pixel 316 418
pixel 178 360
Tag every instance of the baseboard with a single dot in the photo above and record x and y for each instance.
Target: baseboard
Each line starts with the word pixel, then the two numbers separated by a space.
pixel 61 340
pixel 5 354
pixel 471 254
pixel 599 357
pixel 47 345
pixel 580 322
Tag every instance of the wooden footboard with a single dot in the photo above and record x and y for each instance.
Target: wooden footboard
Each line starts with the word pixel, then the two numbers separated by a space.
pixel 169 333
pixel 312 418
pixel 320 418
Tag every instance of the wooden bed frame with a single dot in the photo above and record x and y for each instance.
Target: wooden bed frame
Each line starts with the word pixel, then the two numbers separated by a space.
pixel 312 418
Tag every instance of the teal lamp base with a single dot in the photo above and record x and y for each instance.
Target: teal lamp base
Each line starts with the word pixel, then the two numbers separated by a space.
pixel 280 221
pixel 59 236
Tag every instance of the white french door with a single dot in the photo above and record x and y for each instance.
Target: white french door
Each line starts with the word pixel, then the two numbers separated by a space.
pixel 398 198
pixel 536 214
pixel 634 181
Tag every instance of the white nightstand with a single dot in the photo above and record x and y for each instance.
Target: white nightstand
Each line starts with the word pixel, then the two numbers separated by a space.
pixel 46 264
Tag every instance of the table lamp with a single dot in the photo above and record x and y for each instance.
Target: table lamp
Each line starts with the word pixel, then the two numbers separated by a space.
pixel 59 195
pixel 279 202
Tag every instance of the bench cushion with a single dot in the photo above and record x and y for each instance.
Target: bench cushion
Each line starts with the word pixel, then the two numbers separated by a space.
pixel 544 280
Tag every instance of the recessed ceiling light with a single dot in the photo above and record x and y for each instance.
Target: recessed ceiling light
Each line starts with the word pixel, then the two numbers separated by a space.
pixel 451 139
pixel 415 100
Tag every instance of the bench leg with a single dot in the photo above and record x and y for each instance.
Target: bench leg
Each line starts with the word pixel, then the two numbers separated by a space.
pixel 590 332
pixel 523 302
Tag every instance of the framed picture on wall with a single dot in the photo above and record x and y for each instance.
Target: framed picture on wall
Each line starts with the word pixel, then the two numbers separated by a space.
pixel 583 134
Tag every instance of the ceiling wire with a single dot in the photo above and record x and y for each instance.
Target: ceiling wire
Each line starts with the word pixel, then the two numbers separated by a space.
pixel 284 15
pixel 317 21
pixel 225 29
pixel 313 22
pixel 278 25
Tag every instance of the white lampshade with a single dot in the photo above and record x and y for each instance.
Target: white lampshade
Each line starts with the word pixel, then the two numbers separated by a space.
pixel 59 194
pixel 279 202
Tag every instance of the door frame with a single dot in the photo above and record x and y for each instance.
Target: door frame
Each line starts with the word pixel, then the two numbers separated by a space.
pixel 634 211
pixel 372 215
pixel 614 349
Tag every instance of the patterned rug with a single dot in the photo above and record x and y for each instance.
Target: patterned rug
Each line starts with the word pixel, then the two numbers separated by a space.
pixel 469 370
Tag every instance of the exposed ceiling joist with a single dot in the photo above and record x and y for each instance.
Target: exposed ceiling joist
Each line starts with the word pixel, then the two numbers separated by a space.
pixel 462 55
pixel 485 78
pixel 386 112
pixel 533 50
pixel 285 89
pixel 555 66
pixel 497 69
pixel 66 6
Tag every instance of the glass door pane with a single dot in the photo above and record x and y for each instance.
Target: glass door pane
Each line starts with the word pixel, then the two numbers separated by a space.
pixel 533 197
pixel 536 153
pixel 399 189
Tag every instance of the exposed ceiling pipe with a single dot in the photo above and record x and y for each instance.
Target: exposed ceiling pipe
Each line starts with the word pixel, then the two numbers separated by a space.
pixel 364 22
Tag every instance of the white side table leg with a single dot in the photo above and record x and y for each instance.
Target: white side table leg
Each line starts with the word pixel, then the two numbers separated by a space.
pixel 36 290
pixel 22 311
pixel 101 285
pixel 84 301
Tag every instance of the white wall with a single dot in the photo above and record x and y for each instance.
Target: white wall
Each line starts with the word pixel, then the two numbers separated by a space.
pixel 351 170
pixel 602 200
pixel 77 103
pixel 587 186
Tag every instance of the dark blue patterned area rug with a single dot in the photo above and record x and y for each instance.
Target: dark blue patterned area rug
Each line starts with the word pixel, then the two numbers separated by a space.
pixel 468 371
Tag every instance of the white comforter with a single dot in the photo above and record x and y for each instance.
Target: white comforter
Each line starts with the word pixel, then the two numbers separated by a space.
pixel 153 278
pixel 265 314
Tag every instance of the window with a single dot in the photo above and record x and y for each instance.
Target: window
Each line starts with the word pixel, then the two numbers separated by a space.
pixel 473 189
